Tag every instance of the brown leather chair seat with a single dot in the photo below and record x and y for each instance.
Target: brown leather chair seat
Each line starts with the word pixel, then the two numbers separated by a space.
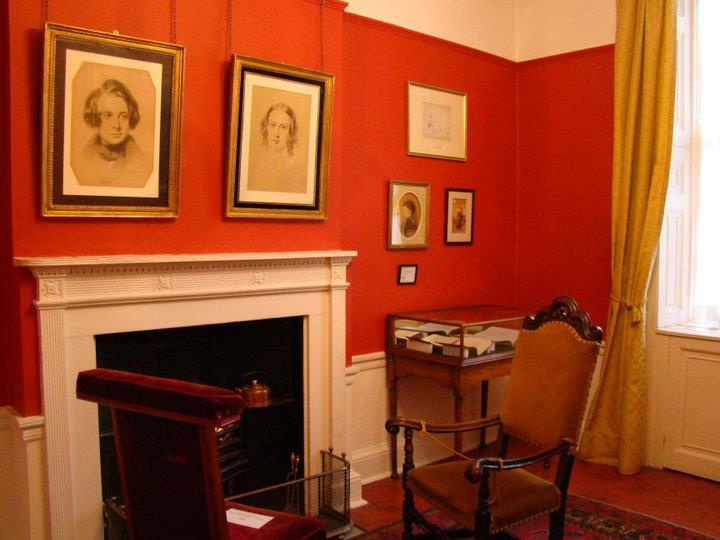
pixel 517 494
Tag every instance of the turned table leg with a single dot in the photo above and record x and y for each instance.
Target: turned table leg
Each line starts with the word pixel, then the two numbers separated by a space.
pixel 484 388
pixel 459 417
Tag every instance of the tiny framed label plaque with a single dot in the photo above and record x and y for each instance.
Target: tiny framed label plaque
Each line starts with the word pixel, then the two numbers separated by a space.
pixel 407 274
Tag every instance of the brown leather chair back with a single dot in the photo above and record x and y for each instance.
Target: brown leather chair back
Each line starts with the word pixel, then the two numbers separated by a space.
pixel 550 379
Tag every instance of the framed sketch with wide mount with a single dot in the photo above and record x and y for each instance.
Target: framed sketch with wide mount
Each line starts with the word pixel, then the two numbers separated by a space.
pixel 436 122
pixel 279 141
pixel 111 125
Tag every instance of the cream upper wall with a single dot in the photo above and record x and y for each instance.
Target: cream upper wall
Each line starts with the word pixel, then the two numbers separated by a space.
pixel 548 27
pixel 514 29
pixel 486 25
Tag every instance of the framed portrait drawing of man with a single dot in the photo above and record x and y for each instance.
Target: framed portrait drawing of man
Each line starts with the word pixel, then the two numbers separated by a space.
pixel 459 213
pixel 111 124
pixel 279 141
pixel 437 122
pixel 408 214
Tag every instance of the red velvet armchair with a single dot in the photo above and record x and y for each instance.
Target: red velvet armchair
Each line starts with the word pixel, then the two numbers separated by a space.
pixel 167 453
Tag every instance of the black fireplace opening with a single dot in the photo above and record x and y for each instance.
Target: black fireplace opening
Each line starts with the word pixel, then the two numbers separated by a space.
pixel 254 452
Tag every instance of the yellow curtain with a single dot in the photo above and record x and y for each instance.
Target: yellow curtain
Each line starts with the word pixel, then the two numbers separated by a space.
pixel 645 51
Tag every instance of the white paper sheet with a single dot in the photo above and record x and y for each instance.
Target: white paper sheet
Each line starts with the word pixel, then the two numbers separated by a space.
pixel 246 519
pixel 432 327
pixel 497 333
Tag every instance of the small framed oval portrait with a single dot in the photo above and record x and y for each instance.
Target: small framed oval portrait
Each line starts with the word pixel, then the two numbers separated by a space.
pixel 408 214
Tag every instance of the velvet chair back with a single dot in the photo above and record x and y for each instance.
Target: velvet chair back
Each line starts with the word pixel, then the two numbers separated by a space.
pixel 165 437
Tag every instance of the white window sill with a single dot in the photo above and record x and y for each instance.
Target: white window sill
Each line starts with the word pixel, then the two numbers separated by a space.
pixel 696 332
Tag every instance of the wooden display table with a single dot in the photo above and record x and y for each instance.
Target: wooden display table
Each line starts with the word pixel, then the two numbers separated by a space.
pixel 455 366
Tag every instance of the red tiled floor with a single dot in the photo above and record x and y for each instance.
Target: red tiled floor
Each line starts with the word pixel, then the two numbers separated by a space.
pixel 670 496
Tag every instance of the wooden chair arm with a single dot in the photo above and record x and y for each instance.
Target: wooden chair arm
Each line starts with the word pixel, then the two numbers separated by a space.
pixel 474 470
pixel 393 425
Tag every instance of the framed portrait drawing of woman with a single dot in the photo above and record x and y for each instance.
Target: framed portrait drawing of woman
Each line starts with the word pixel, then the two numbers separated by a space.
pixel 111 124
pixel 279 141
pixel 408 214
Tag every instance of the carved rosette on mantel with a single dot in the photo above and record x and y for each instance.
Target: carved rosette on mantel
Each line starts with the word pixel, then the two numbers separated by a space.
pixel 81 297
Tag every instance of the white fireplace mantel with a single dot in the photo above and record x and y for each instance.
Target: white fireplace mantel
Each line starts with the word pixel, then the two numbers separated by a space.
pixel 81 297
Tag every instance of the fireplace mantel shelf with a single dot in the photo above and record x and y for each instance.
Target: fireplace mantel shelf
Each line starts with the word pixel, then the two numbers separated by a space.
pixel 114 260
pixel 96 280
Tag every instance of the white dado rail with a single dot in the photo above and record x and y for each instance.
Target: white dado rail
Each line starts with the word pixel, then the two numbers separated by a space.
pixel 81 297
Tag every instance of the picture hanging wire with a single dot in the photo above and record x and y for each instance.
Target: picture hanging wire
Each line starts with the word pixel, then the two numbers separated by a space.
pixel 228 29
pixel 45 9
pixel 173 21
pixel 228 32
pixel 322 35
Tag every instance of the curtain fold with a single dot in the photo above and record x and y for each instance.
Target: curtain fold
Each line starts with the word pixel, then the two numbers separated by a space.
pixel 644 97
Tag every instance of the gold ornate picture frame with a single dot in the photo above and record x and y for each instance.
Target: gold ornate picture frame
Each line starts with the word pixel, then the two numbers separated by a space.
pixel 279 141
pixel 111 125
pixel 408 214
pixel 437 122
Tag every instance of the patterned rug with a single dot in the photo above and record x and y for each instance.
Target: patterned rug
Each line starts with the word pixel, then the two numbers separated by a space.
pixel 584 519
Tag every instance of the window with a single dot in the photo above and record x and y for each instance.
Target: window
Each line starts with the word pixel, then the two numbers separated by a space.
pixel 689 291
pixel 706 268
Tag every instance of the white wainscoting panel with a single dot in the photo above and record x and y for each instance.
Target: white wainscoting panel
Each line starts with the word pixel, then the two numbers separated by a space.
pixel 23 505
pixel 369 443
pixel 692 428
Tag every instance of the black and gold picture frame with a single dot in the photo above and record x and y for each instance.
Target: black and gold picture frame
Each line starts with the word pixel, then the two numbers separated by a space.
pixel 279 141
pixel 111 125
pixel 459 216
pixel 407 274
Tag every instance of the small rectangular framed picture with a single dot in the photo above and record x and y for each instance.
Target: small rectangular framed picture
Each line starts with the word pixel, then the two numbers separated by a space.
pixel 407 274
pixel 437 122
pixel 279 141
pixel 459 214
pixel 408 214
pixel 111 125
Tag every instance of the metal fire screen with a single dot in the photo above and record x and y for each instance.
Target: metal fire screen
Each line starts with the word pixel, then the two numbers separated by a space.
pixel 324 496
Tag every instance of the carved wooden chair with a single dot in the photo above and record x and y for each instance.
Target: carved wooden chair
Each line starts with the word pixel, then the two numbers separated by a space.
pixel 167 454
pixel 544 403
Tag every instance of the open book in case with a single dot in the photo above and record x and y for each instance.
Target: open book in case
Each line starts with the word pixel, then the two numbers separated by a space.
pixel 468 334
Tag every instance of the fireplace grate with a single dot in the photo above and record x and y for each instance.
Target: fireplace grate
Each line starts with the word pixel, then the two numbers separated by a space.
pixel 233 459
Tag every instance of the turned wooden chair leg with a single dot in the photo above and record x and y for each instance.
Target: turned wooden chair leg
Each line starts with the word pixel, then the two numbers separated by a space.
pixel 482 515
pixel 557 524
pixel 408 514
pixel 409 511
pixel 562 481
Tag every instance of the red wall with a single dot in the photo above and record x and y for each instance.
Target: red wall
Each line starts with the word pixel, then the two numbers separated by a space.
pixel 373 63
pixel 290 34
pixel 379 61
pixel 565 119
pixel 8 288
